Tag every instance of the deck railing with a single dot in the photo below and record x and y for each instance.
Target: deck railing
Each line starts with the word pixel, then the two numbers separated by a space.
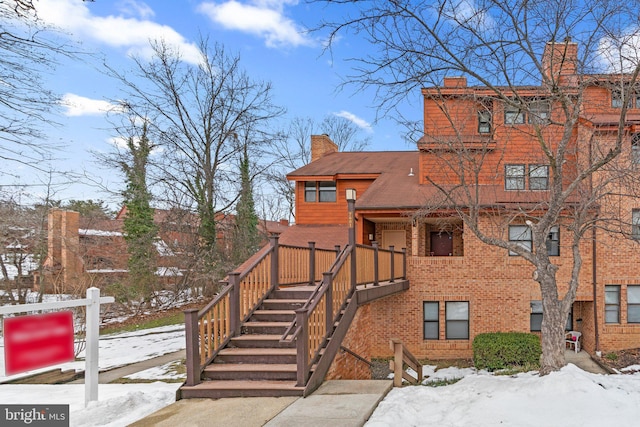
pixel 210 329
pixel 315 321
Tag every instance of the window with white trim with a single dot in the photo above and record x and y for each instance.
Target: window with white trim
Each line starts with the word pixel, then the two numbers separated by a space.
pixel 514 177
pixel 612 304
pixel 538 177
pixel 521 236
pixel 633 304
pixel 431 311
pixel 635 223
pixel 457 320
pixel 513 115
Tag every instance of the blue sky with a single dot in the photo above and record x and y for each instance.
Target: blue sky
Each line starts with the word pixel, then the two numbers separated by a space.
pixel 269 35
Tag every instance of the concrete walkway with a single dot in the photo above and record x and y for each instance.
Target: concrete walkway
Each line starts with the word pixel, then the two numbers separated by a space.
pixel 106 377
pixel 583 360
pixel 339 403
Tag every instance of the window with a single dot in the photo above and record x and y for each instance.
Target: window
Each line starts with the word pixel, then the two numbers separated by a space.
pixel 457 317
pixel 327 191
pixel 553 241
pixel 484 121
pixel 539 112
pixel 612 304
pixel 616 99
pixel 431 320
pixel 633 304
pixel 310 191
pixel 514 177
pixel 538 177
pixel 535 321
pixel 635 224
pixel 323 191
pixel 635 148
pixel 513 116
pixel 521 235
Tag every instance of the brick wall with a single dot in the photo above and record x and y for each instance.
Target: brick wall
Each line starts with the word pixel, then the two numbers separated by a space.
pixel 345 366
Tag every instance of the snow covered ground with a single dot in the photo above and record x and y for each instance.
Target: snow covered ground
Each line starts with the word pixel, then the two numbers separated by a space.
pixel 118 404
pixel 570 397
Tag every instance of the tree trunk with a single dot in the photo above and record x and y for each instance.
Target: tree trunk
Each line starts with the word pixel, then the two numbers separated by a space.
pixel 554 320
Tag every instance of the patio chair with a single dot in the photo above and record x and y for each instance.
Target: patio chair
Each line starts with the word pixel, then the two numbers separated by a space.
pixel 573 339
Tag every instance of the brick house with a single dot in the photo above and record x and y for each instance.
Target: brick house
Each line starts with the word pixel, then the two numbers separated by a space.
pixel 461 287
pixel 85 252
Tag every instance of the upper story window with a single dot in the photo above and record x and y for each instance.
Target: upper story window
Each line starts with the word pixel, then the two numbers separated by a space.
pixel 553 241
pixel 635 149
pixel 633 102
pixel 310 191
pixel 484 121
pixel 539 112
pixel 322 191
pixel 514 177
pixel 521 235
pixel 538 177
pixel 513 115
pixel 327 191
pixel 635 224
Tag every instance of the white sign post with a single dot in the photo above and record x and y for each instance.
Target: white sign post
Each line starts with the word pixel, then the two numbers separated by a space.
pixel 92 302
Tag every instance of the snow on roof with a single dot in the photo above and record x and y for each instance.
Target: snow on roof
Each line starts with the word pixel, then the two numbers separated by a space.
pixel 163 249
pixel 101 233
pixel 168 272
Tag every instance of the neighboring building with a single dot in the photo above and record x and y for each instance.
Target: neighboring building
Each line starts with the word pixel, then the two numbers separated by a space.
pixel 461 287
pixel 85 252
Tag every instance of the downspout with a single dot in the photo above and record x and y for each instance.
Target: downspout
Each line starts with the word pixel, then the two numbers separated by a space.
pixel 594 281
pixel 594 252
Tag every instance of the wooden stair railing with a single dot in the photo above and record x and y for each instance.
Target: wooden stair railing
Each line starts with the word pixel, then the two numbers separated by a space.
pixel 319 326
pixel 401 357
pixel 210 329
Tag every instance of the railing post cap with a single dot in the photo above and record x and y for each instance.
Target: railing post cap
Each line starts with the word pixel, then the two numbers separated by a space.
pixel 190 310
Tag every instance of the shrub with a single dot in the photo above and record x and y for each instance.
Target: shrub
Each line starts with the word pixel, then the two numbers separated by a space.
pixel 502 350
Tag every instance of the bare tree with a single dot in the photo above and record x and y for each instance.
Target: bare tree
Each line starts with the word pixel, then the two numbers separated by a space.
pixel 195 114
pixel 292 151
pixel 28 49
pixel 497 46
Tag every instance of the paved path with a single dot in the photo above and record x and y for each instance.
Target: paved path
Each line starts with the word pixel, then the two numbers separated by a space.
pixel 106 377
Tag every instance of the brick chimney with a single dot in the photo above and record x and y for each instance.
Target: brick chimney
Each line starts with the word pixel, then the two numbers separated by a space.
pixel 64 245
pixel 560 59
pixel 459 81
pixel 321 145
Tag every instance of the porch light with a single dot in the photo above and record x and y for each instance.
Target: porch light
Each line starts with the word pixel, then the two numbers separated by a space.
pixel 351 194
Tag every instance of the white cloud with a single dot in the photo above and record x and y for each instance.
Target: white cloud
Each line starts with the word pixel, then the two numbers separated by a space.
pixel 76 105
pixel 136 8
pixel 621 54
pixel 361 123
pixel 129 33
pixel 263 18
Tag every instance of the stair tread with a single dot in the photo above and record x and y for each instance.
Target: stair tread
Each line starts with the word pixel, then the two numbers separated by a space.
pixel 262 337
pixel 285 300
pixel 257 351
pixel 260 323
pixel 249 367
pixel 244 385
pixel 274 312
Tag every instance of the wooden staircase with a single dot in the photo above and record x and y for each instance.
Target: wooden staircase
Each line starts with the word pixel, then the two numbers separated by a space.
pixel 256 363
pixel 276 326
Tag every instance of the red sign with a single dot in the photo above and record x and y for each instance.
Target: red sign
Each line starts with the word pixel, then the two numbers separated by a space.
pixel 32 342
